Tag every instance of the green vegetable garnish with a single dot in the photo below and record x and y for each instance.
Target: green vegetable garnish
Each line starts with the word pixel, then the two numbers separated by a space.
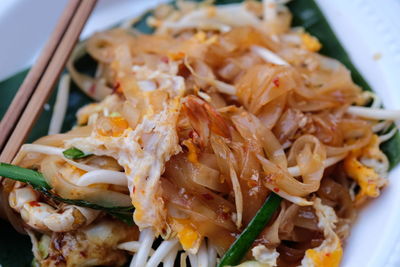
pixel 245 240
pixel 38 182
pixel 34 178
pixel 74 153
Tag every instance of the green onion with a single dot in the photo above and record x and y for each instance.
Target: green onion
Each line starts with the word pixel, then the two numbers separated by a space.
pixel 243 243
pixel 34 178
pixel 38 182
pixel 74 153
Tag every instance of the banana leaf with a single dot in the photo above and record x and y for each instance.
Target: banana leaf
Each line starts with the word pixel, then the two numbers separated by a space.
pixel 15 249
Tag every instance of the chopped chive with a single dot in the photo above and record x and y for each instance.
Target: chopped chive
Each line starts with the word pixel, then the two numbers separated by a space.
pixel 245 240
pixel 74 153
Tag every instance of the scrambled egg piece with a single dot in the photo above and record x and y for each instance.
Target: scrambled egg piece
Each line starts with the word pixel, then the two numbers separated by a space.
pixel 265 256
pixel 310 42
pixel 142 151
pixel 368 167
pixel 188 236
pixel 329 253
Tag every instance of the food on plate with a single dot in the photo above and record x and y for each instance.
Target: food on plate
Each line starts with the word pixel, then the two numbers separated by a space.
pixel 218 139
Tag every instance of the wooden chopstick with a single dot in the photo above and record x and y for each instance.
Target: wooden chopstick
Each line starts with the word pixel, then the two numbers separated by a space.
pixel 25 91
pixel 48 80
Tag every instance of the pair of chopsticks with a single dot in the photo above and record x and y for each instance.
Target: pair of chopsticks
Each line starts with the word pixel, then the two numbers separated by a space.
pixel 38 84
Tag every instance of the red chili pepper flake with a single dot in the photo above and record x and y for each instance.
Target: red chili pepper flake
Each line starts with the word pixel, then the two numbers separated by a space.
pixel 208 196
pixel 276 189
pixel 34 204
pixel 165 59
pixel 327 254
pixel 117 85
pixel 92 89
pixel 224 216
pixel 276 82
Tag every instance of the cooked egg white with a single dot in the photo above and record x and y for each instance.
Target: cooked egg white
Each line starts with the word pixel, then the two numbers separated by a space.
pixel 329 253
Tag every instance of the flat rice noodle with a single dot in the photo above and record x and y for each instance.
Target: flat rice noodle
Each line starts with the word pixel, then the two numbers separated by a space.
pixel 220 229
pixel 236 42
pixel 356 134
pixel 339 196
pixel 291 253
pixel 271 112
pixel 203 201
pixel 306 218
pixel 197 207
pixel 223 155
pixel 309 105
pixel 58 140
pixel 257 135
pixel 204 119
pixel 287 223
pixel 50 167
pixel 288 124
pixel 309 154
pixel 101 46
pixel 263 83
pixel 270 234
pixel 208 177
pixel 326 129
pixel 282 180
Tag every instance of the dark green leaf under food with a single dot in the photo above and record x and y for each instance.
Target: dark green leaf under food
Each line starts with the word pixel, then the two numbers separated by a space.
pixel 74 153
pixel 38 182
pixel 245 240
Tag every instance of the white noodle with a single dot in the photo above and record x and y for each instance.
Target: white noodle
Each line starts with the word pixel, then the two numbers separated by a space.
pixel 222 20
pixel 48 150
pixel 81 166
pixel 169 260
pixel 221 86
pixel 193 259
pixel 387 136
pixel 238 196
pixel 296 200
pixel 146 240
pixel 224 87
pixel 51 150
pixel 374 113
pixel 103 177
pixel 295 170
pixel 212 254
pixel 183 259
pixel 161 252
pixel 381 126
pixel 132 246
pixel 60 107
pixel 268 55
pixel 202 257
pixel 35 243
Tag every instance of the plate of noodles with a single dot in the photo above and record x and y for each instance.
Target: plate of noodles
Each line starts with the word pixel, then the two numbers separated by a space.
pixel 221 133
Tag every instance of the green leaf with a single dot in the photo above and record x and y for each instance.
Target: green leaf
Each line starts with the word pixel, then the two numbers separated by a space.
pixel 74 153
pixel 34 178
pixel 38 182
pixel 243 243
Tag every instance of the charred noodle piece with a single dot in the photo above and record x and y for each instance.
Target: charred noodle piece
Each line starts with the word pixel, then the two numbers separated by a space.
pixel 37 181
pixel 74 153
pixel 242 244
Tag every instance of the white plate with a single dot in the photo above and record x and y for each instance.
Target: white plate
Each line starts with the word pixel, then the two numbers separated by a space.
pixel 366 28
